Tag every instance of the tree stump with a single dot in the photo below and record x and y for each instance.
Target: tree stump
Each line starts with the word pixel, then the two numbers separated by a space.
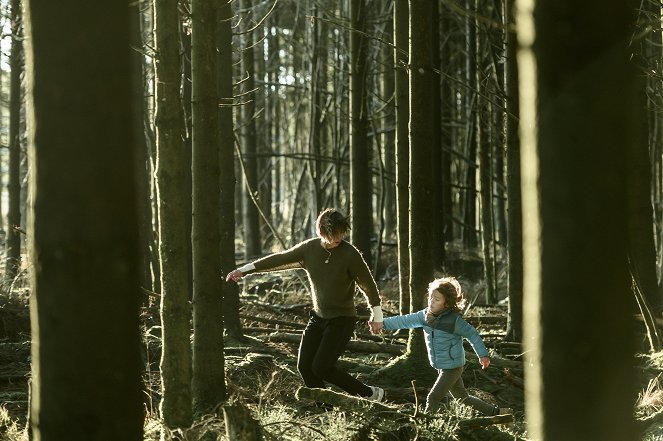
pixel 240 425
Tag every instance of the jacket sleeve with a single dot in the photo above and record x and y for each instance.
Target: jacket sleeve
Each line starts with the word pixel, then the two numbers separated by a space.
pixel 470 333
pixel 407 321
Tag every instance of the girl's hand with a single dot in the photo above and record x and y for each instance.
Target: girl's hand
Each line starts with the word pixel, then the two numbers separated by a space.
pixel 484 362
pixel 375 327
pixel 234 275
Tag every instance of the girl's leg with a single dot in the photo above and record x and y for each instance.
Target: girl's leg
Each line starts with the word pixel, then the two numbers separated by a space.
pixel 336 334
pixel 446 379
pixel 459 392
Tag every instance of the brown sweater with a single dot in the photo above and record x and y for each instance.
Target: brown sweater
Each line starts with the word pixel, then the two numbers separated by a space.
pixel 332 284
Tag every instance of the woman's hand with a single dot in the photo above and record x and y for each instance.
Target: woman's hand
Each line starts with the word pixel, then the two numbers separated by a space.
pixel 234 275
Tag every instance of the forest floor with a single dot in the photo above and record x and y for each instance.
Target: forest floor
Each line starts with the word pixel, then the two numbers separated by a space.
pixel 265 389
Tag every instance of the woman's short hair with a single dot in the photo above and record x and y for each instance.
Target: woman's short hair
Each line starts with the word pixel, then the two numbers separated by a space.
pixel 331 222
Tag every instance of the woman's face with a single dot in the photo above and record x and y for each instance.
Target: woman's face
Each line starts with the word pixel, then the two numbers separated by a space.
pixel 435 302
pixel 330 242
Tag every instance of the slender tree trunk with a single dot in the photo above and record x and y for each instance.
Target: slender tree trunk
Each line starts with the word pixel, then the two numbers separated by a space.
pixel 360 157
pixel 173 239
pixel 142 163
pixel 483 120
pixel 389 137
pixel 227 183
pixel 437 209
pixel 208 383
pixel 402 109
pixel 85 296
pixel 250 219
pixel 514 212
pixel 13 244
pixel 318 65
pixel 469 195
pixel 448 99
pixel 579 118
pixel 422 123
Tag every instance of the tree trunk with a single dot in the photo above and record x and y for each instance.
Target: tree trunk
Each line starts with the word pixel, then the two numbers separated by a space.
pixel 422 124
pixel 470 107
pixel 514 213
pixel 86 370
pixel 579 119
pixel 360 157
pixel 173 240
pixel 402 100
pixel 142 158
pixel 208 382
pixel 250 219
pixel 13 244
pixel 229 291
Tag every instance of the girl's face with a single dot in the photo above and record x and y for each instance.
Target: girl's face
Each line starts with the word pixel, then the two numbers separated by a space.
pixel 435 302
pixel 330 242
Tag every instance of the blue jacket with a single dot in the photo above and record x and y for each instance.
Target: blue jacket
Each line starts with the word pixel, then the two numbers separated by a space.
pixel 444 340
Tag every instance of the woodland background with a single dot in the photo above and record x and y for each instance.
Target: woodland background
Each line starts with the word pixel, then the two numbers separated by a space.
pixel 149 150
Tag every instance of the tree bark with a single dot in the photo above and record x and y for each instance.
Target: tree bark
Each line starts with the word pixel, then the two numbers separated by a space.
pixel 208 382
pixel 227 182
pixel 514 213
pixel 579 119
pixel 402 99
pixel 13 234
pixel 250 216
pixel 360 157
pixel 86 368
pixel 173 239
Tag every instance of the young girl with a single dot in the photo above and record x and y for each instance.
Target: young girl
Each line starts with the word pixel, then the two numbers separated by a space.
pixel 444 330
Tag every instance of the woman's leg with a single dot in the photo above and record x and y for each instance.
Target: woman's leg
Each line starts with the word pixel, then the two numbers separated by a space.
pixel 308 347
pixel 446 379
pixel 336 334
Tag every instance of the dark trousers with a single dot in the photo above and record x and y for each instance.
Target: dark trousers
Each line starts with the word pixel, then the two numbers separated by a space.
pixel 323 342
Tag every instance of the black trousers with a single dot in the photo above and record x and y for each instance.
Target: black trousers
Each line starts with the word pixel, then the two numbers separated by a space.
pixel 323 342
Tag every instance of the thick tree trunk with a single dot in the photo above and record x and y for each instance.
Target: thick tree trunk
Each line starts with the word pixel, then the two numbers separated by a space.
pixel 579 119
pixel 84 306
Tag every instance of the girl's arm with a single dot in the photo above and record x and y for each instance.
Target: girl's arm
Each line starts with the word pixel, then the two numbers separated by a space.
pixel 470 333
pixel 407 321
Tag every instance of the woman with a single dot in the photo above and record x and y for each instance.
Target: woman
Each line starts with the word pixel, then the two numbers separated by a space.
pixel 335 268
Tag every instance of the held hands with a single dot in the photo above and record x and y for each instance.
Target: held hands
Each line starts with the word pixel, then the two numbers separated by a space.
pixel 234 275
pixel 375 327
pixel 484 362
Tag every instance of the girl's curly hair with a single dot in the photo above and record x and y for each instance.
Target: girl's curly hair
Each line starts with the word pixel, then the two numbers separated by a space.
pixel 450 288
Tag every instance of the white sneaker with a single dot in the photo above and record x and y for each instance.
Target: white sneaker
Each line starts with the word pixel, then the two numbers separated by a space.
pixel 378 394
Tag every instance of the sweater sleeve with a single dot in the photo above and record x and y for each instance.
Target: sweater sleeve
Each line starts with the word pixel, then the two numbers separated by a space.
pixel 406 321
pixel 470 333
pixel 364 279
pixel 289 259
